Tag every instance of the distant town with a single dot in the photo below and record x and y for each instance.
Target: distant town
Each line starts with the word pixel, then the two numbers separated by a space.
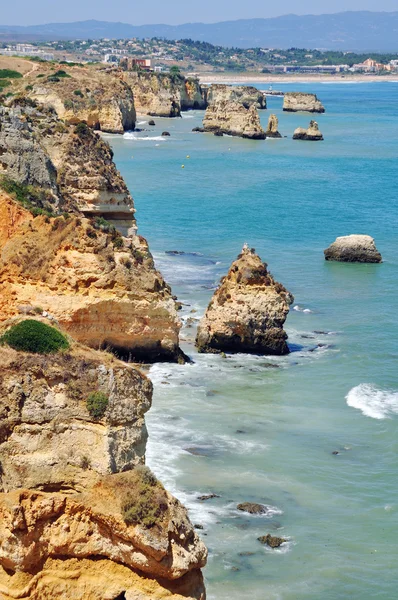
pixel 159 55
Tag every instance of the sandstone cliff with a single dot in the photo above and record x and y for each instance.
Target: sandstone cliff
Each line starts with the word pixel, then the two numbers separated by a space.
pixel 163 95
pixel 233 118
pixel 92 93
pixel 272 128
pixel 302 102
pixel 73 166
pixel 243 94
pixel 311 134
pixel 104 291
pixel 87 498
pixel 247 312
pixel 353 248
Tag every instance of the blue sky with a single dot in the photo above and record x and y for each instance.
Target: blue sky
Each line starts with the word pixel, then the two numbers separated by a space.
pixel 28 12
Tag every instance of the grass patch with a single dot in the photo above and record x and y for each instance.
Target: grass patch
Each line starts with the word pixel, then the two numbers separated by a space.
pixel 4 83
pixel 145 502
pixel 97 403
pixel 35 200
pixel 10 74
pixel 36 337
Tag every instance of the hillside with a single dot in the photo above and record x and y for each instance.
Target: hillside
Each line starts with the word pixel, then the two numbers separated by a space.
pixel 356 31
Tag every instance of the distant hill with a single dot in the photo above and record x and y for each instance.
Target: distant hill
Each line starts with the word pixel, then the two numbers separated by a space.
pixel 356 31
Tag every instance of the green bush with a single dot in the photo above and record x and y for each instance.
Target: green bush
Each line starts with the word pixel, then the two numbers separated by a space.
pixel 61 73
pixel 146 502
pixel 4 83
pixel 34 336
pixel 82 129
pixel 97 403
pixel 9 74
pixel 78 93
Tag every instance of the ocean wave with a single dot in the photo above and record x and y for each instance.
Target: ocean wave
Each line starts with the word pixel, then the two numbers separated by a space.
pixel 298 308
pixel 373 402
pixel 132 136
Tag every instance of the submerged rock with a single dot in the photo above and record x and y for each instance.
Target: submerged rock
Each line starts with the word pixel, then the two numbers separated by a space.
pixel 166 134
pixel 311 134
pixel 353 248
pixel 252 508
pixel 247 311
pixel 271 541
pixel 272 129
pixel 302 102
pixel 232 118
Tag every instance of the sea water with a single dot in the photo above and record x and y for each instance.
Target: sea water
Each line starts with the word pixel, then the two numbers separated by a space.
pixel 267 429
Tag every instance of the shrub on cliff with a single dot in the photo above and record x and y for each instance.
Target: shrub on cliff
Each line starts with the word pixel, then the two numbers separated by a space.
pixel 35 200
pixel 97 403
pixel 34 336
pixel 146 502
pixel 9 74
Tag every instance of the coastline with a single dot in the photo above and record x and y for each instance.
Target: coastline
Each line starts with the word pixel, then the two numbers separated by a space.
pixel 208 78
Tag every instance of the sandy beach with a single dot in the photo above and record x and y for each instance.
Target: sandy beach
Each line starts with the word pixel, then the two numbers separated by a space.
pixel 292 78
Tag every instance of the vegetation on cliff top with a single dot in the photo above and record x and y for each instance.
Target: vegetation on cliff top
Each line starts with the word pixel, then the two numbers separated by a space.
pixel 34 336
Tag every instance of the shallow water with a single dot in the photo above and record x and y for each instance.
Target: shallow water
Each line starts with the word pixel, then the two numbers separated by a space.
pixel 264 429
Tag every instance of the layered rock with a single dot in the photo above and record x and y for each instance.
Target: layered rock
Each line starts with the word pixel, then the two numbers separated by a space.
pixel 74 166
pixel 353 248
pixel 45 421
pixel 87 500
pixel 154 94
pixel 311 134
pixel 302 102
pixel 234 119
pixel 103 291
pixel 247 312
pixel 242 94
pixel 93 94
pixel 192 96
pixel 272 128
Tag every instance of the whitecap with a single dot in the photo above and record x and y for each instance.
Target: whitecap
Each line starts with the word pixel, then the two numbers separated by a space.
pixel 142 122
pixel 298 308
pixel 373 402
pixel 132 136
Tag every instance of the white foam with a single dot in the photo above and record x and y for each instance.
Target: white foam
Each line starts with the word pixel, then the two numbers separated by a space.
pixel 142 122
pixel 135 138
pixel 298 308
pixel 373 402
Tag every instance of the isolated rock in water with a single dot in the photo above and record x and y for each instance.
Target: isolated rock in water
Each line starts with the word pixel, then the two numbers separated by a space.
pixel 311 134
pixel 272 541
pixel 302 102
pixel 243 94
pixel 151 123
pixel 272 129
pixel 252 508
pixel 247 311
pixel 166 134
pixel 353 248
pixel 233 118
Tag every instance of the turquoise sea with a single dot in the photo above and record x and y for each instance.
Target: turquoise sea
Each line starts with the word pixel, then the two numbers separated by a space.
pixel 264 429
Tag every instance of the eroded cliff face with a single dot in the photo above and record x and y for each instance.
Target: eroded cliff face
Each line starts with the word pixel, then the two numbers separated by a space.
pixel 95 94
pixel 72 165
pixel 233 118
pixel 300 101
pixel 247 312
pixel 243 94
pixel 87 497
pixel 103 290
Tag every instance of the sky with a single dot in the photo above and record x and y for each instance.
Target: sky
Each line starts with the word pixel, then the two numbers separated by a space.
pixel 28 12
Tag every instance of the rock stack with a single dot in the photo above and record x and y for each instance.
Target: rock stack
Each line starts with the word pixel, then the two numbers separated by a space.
pixel 353 248
pixel 302 102
pixel 247 312
pixel 232 118
pixel 311 134
pixel 272 129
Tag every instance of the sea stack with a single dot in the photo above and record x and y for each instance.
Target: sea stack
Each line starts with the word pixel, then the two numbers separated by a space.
pixel 232 118
pixel 353 248
pixel 247 95
pixel 247 311
pixel 311 134
pixel 302 102
pixel 272 129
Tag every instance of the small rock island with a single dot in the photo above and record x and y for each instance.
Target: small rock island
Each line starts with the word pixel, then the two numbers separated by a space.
pixel 247 311
pixel 312 134
pixel 233 118
pixel 302 102
pixel 353 248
